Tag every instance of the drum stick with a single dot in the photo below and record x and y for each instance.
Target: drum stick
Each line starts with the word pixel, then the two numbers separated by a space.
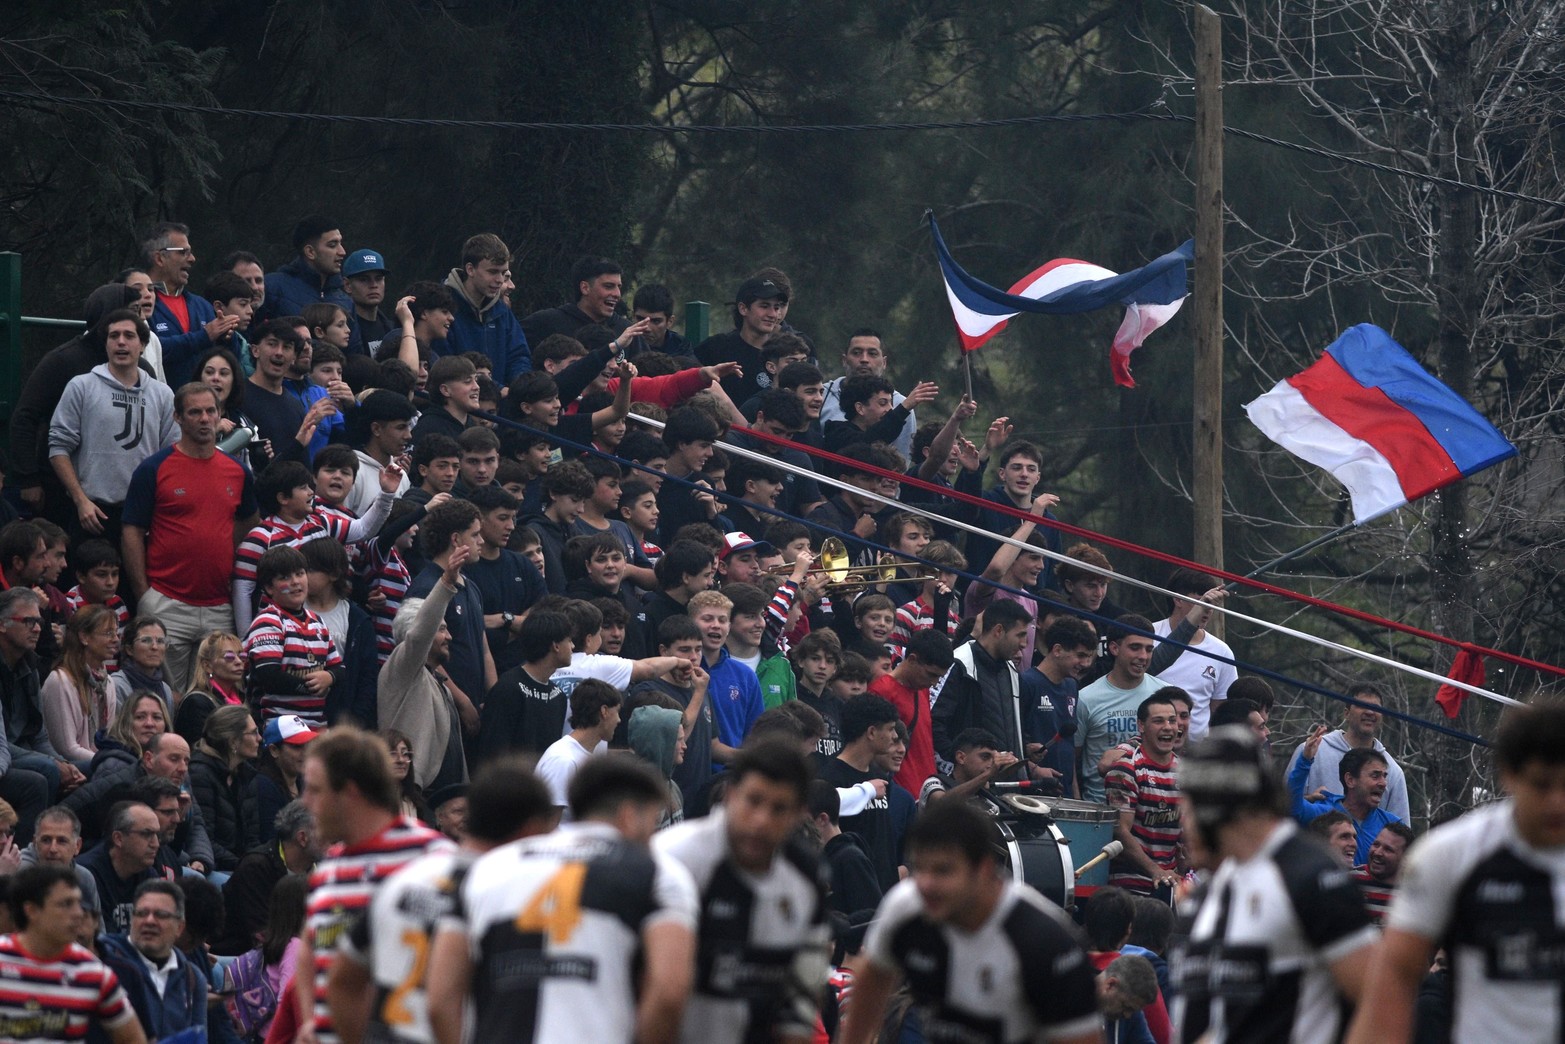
pixel 1110 850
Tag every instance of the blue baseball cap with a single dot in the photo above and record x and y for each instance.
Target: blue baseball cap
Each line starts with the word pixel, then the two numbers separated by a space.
pixel 361 261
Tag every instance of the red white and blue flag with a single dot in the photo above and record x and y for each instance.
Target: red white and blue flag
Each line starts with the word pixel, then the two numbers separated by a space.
pixel 1367 412
pixel 1151 295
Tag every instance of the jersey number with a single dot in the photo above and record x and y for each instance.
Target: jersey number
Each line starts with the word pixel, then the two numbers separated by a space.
pixel 395 1012
pixel 556 909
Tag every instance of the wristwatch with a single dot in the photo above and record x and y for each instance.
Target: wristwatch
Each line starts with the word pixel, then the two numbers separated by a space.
pixel 508 618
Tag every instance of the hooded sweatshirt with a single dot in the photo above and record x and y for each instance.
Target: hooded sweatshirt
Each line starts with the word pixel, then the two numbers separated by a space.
pixel 487 326
pixel 1323 772
pixel 107 429
pixel 46 383
pixel 654 734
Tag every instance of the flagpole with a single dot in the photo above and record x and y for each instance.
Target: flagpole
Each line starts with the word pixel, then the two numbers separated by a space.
pixel 967 368
pixel 1295 553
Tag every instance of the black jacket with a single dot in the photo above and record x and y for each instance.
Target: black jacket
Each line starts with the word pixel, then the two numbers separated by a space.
pixel 353 698
pixel 979 693
pixel 221 804
pixel 854 887
pixel 247 896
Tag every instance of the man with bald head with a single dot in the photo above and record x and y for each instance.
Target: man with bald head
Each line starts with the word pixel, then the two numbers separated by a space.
pixel 166 756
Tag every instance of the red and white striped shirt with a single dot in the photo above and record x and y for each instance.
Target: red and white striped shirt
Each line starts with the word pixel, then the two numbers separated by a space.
pixel 275 532
pixel 1151 792
pixel 58 998
pixel 341 886
pixel 1377 894
pixel 919 615
pixel 299 643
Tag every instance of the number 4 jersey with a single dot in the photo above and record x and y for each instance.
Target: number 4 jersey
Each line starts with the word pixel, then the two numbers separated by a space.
pixel 554 926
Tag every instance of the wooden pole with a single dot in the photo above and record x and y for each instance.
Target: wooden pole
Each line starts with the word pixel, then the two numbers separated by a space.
pixel 1207 379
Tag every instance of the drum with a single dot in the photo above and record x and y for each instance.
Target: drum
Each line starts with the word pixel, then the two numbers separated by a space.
pixel 1038 854
pixel 1087 826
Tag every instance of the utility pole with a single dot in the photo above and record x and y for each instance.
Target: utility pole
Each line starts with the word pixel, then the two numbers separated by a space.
pixel 1207 379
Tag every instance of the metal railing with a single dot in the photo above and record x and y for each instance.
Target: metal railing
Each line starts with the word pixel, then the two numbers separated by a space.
pixel 12 322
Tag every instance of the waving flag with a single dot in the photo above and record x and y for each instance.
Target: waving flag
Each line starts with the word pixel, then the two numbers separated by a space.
pixel 1064 286
pixel 1369 414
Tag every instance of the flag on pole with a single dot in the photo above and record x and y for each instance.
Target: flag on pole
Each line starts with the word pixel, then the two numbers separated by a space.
pixel 1065 286
pixel 1387 430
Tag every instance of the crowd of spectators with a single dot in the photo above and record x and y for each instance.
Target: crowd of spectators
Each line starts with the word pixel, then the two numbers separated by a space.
pixel 295 502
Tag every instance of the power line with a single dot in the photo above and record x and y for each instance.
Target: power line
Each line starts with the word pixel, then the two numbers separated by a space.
pixel 774 128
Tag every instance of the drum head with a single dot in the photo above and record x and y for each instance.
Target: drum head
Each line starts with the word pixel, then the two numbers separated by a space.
pixel 1026 804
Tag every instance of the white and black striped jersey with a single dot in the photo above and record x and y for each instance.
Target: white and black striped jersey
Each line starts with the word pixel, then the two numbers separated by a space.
pixel 1256 964
pixel 1497 905
pixel 554 926
pixel 393 941
pixel 1022 977
pixel 762 952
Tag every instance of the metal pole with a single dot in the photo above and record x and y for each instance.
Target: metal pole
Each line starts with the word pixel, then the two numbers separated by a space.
pixel 11 315
pixel 698 321
pixel 1207 378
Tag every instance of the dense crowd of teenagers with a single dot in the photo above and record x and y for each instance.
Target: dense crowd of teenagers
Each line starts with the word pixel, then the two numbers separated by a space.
pixel 395 668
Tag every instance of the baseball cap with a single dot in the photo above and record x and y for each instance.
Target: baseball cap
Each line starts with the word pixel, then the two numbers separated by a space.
pixel 760 290
pixel 361 261
pixel 736 541
pixel 290 729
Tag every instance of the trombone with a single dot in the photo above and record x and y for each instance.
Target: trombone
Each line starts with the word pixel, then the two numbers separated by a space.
pixel 836 565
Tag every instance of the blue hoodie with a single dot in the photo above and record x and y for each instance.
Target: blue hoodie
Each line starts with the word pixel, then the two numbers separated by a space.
pixel 735 694
pixel 297 284
pixel 489 327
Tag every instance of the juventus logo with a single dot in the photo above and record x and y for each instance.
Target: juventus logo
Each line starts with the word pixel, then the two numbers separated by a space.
pixel 134 427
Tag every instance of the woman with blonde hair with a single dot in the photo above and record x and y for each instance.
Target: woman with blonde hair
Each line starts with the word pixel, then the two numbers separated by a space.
pixel 77 700
pixel 218 681
pixel 221 768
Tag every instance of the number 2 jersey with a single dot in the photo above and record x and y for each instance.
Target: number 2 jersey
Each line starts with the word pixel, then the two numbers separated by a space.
pixel 554 928
pixel 394 938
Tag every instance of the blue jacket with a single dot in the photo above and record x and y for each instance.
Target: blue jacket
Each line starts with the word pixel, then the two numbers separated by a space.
pixel 493 330
pixel 308 393
pixel 180 348
pixel 183 1003
pixel 1305 810
pixel 296 284
pixel 735 695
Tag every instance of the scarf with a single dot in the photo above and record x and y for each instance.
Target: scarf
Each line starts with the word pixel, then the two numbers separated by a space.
pixel 141 681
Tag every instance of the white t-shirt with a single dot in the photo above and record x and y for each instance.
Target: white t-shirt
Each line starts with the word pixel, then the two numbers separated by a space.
pixel 616 670
pixel 558 766
pixel 1204 679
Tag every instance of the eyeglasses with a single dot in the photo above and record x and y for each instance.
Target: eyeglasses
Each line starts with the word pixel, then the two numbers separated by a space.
pixel 147 639
pixel 27 621
pixel 161 915
pixel 401 755
pixel 145 835
pixel 233 656
pixel 175 250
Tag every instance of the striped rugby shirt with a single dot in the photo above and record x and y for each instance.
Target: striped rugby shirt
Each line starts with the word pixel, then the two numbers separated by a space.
pixel 1151 792
pixel 1377 894
pixel 58 998
pixel 299 643
pixel 341 886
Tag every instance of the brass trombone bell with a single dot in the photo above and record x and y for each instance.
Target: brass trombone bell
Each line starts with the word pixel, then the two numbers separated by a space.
pixel 836 564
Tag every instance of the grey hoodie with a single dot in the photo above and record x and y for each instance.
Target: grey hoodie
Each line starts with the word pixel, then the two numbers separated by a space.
pixel 107 429
pixel 1324 776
